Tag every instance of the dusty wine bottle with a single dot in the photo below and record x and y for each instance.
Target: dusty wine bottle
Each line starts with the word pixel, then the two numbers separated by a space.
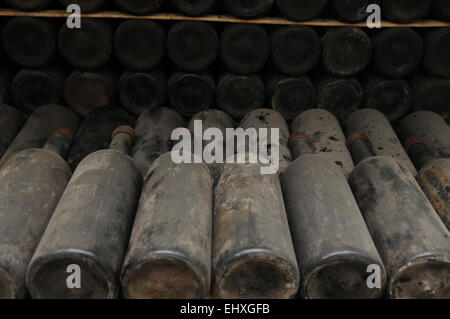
pixel 327 137
pixel 340 96
pixel 89 47
pixel 397 52
pixel 301 10
pixel 90 228
pixel 28 5
pixel 247 9
pixel 194 7
pixel 216 119
pixel 190 93
pixel 239 94
pixel 270 119
pixel 140 44
pixel 392 97
pixel 38 128
pixel 169 255
pixel 154 133
pixel 141 91
pixel 11 121
pixel 192 46
pixel 290 95
pixel 411 239
pixel 86 5
pixel 402 11
pixel 431 94
pixel 433 176
pixel 381 134
pixel 259 261
pixel 429 126
pixel 332 243
pixel 437 47
pixel 31 89
pixel 244 48
pixel 31 184
pixel 351 10
pixel 346 51
pixel 30 42
pixel 140 7
pixel 85 91
pixel 295 49
pixel 95 131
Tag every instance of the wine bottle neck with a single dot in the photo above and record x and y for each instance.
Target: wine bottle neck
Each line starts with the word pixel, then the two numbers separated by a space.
pixel 360 147
pixel 300 145
pixel 419 152
pixel 60 142
pixel 123 139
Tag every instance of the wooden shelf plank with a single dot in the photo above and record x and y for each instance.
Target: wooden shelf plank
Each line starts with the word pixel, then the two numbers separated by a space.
pixel 218 18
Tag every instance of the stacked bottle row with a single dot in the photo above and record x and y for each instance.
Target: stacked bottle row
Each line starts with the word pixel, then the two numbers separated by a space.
pixel 297 10
pixel 289 68
pixel 226 227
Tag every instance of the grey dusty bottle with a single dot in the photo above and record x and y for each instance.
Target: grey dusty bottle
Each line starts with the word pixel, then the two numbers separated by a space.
pixel 29 5
pixel 89 47
pixel 86 5
pixel 327 136
pixel 351 10
pixel 169 255
pixel 406 11
pixel 397 52
pixel 346 51
pixel 239 94
pixel 295 49
pixel 413 242
pixel 216 119
pixel 340 96
pixel 31 184
pixel 95 131
pixel 253 255
pixel 90 227
pixel 154 133
pixel 392 97
pixel 190 93
pixel 437 46
pixel 194 8
pixel 11 121
pixel 301 10
pixel 431 94
pixel 140 45
pixel 140 91
pixel 38 128
pixel 192 46
pixel 433 176
pixel 429 126
pixel 333 246
pixel 384 140
pixel 31 89
pixel 269 119
pixel 247 9
pixel 290 95
pixel 84 91
pixel 140 7
pixel 30 42
pixel 244 48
